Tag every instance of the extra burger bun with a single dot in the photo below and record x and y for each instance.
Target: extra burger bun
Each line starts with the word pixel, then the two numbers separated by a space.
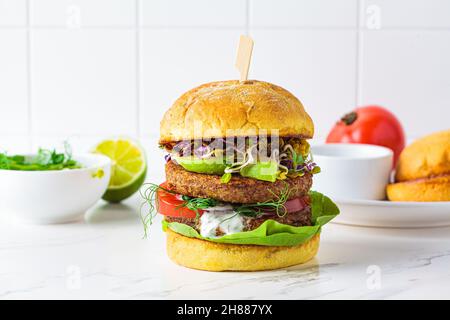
pixel 423 170
pixel 430 189
pixel 425 158
pixel 211 256
pixel 233 108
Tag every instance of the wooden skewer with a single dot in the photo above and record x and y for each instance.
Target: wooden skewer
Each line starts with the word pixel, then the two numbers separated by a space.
pixel 244 56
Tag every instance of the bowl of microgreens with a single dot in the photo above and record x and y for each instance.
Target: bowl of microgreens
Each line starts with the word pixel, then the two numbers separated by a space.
pixel 51 187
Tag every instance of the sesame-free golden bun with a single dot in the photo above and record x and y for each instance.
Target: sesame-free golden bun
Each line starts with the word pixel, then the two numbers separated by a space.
pixel 423 170
pixel 234 108
pixel 212 256
pixel 423 190
pixel 426 157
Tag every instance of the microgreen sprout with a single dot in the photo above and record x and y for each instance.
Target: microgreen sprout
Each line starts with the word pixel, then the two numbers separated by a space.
pixel 277 205
pixel 148 192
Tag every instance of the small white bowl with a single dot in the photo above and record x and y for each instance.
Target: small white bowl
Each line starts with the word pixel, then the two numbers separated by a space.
pixel 46 197
pixel 352 171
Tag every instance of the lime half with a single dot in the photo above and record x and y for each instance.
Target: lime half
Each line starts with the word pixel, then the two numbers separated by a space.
pixel 128 169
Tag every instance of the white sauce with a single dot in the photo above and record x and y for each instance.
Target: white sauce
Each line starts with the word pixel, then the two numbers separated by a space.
pixel 222 218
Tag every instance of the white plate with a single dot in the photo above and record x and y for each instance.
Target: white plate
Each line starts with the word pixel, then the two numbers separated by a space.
pixel 376 213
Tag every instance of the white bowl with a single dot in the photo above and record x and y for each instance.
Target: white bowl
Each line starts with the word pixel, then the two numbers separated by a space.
pixel 352 171
pixel 45 197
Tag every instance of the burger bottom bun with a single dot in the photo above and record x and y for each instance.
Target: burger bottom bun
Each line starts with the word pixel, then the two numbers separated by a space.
pixel 424 190
pixel 211 256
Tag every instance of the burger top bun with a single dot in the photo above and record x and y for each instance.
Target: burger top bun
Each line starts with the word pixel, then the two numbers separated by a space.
pixel 426 157
pixel 233 108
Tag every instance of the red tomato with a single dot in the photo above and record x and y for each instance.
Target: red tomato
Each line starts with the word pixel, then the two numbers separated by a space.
pixel 370 125
pixel 170 205
pixel 297 204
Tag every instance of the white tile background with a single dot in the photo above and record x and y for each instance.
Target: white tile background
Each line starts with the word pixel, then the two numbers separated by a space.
pixel 83 70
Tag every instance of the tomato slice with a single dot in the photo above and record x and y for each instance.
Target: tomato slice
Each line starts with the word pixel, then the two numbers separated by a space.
pixel 170 205
pixel 297 204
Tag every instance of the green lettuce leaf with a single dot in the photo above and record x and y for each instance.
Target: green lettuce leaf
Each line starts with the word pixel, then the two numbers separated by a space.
pixel 272 233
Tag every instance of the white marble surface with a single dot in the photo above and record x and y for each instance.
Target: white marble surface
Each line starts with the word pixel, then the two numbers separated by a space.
pixel 105 256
